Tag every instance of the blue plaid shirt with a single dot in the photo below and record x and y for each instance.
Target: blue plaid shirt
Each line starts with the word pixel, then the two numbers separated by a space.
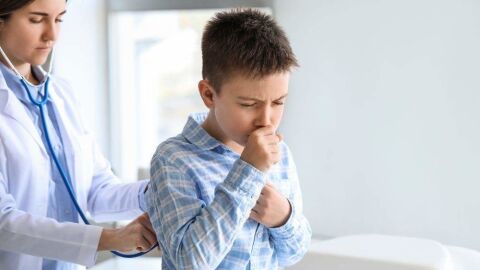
pixel 199 201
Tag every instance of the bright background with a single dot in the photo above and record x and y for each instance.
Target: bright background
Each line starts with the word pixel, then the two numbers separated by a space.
pixel 383 116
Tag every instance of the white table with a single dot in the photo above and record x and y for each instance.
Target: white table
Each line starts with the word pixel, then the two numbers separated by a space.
pixel 380 252
pixel 118 263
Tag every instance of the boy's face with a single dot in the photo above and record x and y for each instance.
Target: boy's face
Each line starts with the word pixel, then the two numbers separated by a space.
pixel 245 104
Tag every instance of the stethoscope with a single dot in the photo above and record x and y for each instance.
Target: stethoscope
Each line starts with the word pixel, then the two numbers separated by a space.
pixel 40 104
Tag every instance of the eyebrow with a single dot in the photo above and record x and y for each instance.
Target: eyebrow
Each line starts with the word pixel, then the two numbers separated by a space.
pixel 256 99
pixel 46 14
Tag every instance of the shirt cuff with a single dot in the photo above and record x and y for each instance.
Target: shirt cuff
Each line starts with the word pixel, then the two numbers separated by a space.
pixel 286 230
pixel 141 196
pixel 246 178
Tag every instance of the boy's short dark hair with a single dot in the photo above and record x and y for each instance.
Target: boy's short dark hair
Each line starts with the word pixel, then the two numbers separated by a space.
pixel 246 42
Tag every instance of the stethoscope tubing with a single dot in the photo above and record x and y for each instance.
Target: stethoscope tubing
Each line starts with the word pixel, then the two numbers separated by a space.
pixel 41 105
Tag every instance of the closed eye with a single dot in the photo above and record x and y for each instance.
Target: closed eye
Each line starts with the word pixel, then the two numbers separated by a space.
pixel 247 105
pixel 36 20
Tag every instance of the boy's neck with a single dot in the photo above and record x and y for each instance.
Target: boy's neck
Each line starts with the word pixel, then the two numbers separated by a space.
pixel 211 127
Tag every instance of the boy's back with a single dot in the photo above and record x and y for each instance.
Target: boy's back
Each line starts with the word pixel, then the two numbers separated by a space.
pixel 224 194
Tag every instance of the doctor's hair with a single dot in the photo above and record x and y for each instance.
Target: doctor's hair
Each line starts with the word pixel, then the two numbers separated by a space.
pixel 9 6
pixel 244 42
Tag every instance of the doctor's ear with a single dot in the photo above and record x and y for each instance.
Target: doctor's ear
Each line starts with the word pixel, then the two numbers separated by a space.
pixel 207 93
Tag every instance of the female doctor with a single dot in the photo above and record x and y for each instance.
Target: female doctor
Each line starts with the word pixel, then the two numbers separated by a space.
pixel 39 226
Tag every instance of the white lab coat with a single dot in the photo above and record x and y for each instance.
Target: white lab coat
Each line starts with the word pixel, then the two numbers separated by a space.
pixel 26 234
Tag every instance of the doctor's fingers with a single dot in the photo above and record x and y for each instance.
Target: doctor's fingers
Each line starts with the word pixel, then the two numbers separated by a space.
pixel 149 237
pixel 143 245
pixel 142 238
pixel 145 221
pixel 145 229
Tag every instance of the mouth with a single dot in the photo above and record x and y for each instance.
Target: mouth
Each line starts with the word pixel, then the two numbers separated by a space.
pixel 43 51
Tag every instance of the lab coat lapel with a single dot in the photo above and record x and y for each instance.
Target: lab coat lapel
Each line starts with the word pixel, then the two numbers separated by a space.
pixel 15 109
pixel 67 133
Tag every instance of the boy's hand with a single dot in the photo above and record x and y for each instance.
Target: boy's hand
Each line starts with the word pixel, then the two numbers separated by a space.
pixel 262 150
pixel 272 208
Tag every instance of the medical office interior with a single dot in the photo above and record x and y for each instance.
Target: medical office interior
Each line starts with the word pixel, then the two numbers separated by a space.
pixel 383 115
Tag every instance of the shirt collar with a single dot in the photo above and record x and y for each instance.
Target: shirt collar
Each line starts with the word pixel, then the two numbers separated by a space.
pixel 14 84
pixel 195 134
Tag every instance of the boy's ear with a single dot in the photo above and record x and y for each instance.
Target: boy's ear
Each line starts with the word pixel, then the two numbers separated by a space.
pixel 207 93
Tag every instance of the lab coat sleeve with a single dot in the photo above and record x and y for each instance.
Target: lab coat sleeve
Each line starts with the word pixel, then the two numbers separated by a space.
pixel 108 198
pixel 291 240
pixel 22 232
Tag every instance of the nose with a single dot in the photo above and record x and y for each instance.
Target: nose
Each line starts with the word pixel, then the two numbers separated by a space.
pixel 264 117
pixel 50 33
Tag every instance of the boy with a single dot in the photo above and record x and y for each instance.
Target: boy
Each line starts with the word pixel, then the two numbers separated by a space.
pixel 224 193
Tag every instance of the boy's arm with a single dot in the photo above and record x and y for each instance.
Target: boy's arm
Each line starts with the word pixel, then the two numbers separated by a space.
pixel 195 235
pixel 292 239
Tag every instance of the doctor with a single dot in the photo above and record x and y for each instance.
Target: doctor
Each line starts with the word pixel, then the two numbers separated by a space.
pixel 39 226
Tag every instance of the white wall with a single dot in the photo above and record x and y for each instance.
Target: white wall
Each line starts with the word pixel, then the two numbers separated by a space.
pixel 81 58
pixel 384 117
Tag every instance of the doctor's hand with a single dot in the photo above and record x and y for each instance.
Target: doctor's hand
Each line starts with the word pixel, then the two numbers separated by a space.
pixel 272 208
pixel 137 235
pixel 262 149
